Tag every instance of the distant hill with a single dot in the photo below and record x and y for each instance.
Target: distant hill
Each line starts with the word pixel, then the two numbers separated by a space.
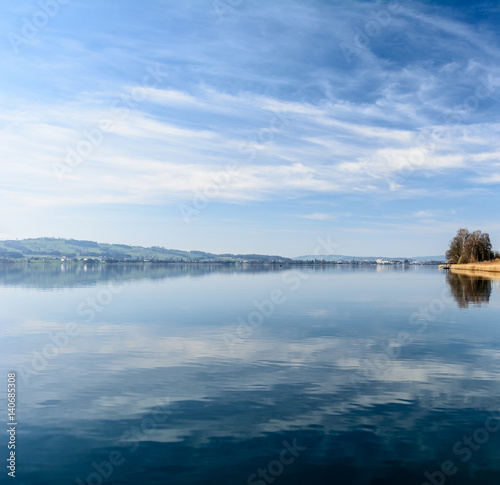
pixel 343 258
pixel 55 248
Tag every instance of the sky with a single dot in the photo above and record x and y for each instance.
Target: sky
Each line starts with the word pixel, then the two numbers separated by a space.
pixel 244 126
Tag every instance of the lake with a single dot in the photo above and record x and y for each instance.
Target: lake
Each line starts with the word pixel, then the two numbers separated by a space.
pixel 251 374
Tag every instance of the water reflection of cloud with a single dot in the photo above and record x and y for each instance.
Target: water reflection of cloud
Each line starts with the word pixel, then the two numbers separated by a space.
pixel 24 327
pixel 317 313
pixel 124 359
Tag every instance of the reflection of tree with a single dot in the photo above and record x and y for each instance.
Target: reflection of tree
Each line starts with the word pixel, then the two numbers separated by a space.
pixel 469 289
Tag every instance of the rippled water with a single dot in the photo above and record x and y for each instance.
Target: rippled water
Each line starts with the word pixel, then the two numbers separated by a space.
pixel 200 374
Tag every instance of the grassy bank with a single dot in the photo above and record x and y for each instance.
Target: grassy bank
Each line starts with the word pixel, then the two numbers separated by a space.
pixel 488 266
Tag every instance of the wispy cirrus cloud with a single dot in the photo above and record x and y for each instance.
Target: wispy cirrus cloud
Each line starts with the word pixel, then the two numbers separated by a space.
pixel 316 216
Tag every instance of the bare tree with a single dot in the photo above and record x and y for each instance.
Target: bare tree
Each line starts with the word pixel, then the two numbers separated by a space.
pixel 457 245
pixel 468 247
pixel 471 248
pixel 485 249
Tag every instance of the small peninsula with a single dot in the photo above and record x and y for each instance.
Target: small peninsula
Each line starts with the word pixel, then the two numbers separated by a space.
pixel 472 252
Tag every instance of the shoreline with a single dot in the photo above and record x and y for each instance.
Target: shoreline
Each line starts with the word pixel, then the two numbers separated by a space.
pixel 218 262
pixel 488 266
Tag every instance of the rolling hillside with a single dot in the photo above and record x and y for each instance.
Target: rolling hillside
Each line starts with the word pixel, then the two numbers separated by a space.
pixel 55 248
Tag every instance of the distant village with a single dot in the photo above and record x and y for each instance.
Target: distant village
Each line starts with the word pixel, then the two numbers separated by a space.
pixel 280 261
pixel 38 250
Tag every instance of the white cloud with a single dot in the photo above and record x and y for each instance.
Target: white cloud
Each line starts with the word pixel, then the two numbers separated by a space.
pixel 334 145
pixel 316 216
pixel 489 179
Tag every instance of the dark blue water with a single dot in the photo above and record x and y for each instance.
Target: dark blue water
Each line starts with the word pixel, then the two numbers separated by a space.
pixel 199 374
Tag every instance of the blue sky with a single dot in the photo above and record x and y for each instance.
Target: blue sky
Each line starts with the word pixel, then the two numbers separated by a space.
pixel 247 126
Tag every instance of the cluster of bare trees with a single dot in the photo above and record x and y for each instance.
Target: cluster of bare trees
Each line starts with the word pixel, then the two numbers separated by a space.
pixel 470 247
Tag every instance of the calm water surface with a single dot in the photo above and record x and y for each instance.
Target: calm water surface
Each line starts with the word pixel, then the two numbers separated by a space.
pixel 199 374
